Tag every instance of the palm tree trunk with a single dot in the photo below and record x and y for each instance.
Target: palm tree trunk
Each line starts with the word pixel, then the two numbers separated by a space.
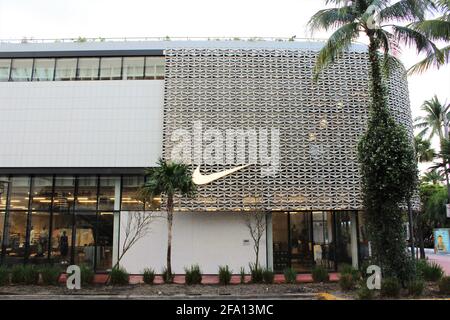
pixel 169 233
pixel 421 242
pixel 378 94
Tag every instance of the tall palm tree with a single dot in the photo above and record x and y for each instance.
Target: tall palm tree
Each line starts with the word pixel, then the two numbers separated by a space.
pixel 437 29
pixel 424 152
pixel 433 176
pixel 168 179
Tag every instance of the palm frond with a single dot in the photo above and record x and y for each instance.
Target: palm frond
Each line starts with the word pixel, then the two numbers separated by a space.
pixel 411 37
pixel 406 10
pixel 436 29
pixel 331 18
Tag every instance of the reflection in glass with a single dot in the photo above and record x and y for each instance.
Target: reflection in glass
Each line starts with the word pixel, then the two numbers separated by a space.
pixel 88 68
pixel 5 66
pixel 106 195
pixel 39 235
pixel 2 225
pixel 110 68
pixel 20 188
pixel 130 199
pixel 21 69
pixel 42 193
pixel 61 237
pixel 87 193
pixel 3 192
pixel 85 238
pixel 66 69
pixel 133 68
pixel 64 194
pixel 43 69
pixel 105 240
pixel 15 237
pixel 154 68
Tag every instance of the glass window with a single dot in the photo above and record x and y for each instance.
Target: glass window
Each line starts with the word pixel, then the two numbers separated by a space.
pixel 66 69
pixel 5 66
pixel 88 68
pixel 20 188
pixel 154 68
pixel 87 193
pixel 107 192
pixel 2 225
pixel 43 69
pixel 3 192
pixel 110 68
pixel 42 193
pixel 85 238
pixel 130 199
pixel 64 194
pixel 39 236
pixel 21 69
pixel 61 237
pixel 105 240
pixel 15 235
pixel 133 68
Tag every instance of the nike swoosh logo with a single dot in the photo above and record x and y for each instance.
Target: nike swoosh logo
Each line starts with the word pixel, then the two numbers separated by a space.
pixel 200 179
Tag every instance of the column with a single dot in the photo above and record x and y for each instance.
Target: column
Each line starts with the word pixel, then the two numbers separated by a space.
pixel 269 241
pixel 354 239
pixel 116 227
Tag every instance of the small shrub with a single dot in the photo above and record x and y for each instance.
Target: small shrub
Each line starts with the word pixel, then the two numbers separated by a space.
pixel 290 275
pixel 415 287
pixel 4 276
pixel 224 275
pixel 421 265
pixel 242 275
pixel 320 274
pixel 365 293
pixel 87 275
pixel 50 275
pixel 167 276
pixel 24 274
pixel 390 287
pixel 347 282
pixel 268 276
pixel 256 273
pixel 444 285
pixel 119 276
pixel 349 270
pixel 149 275
pixel 432 272
pixel 193 275
pixel 17 274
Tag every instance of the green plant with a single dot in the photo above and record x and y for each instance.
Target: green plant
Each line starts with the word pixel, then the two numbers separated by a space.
pixel 4 276
pixel 193 275
pixel 167 275
pixel 119 276
pixel 17 274
pixel 390 287
pixel 27 274
pixel 87 275
pixel 50 275
pixel 415 287
pixel 320 274
pixel 365 293
pixel 242 275
pixel 347 269
pixel 290 275
pixel 347 282
pixel 268 276
pixel 224 275
pixel 444 285
pixel 149 275
pixel 432 272
pixel 256 273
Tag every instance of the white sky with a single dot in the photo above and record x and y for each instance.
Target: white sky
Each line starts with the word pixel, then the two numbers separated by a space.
pixel 185 18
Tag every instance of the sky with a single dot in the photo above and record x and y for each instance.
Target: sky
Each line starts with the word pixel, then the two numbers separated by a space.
pixel 187 18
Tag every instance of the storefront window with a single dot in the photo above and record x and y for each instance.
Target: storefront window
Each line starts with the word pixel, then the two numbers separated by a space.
pixel 20 188
pixel 21 69
pixel 15 237
pixel 64 194
pixel 133 68
pixel 105 240
pixel 107 193
pixel 85 238
pixel 5 66
pixel 3 192
pixel 43 69
pixel 110 68
pixel 362 237
pixel 66 69
pixel 42 193
pixel 88 68
pixel 87 193
pixel 2 225
pixel 343 238
pixel 39 236
pixel 323 238
pixel 61 237
pixel 281 257
pixel 130 198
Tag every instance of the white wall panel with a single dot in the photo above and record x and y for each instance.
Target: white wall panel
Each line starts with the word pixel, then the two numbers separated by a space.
pixel 209 239
pixel 81 123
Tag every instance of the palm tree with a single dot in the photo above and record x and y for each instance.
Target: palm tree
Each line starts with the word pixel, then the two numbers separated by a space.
pixel 437 29
pixel 168 179
pixel 433 177
pixel 424 152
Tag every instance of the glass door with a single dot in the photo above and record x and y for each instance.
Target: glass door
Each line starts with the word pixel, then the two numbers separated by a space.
pixel 301 241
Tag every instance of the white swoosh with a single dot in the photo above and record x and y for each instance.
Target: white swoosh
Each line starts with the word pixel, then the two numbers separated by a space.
pixel 200 179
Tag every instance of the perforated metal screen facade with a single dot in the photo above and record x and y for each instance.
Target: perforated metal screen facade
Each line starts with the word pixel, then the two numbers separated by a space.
pixel 319 123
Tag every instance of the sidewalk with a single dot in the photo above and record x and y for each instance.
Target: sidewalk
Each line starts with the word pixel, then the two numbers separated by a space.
pixel 442 259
